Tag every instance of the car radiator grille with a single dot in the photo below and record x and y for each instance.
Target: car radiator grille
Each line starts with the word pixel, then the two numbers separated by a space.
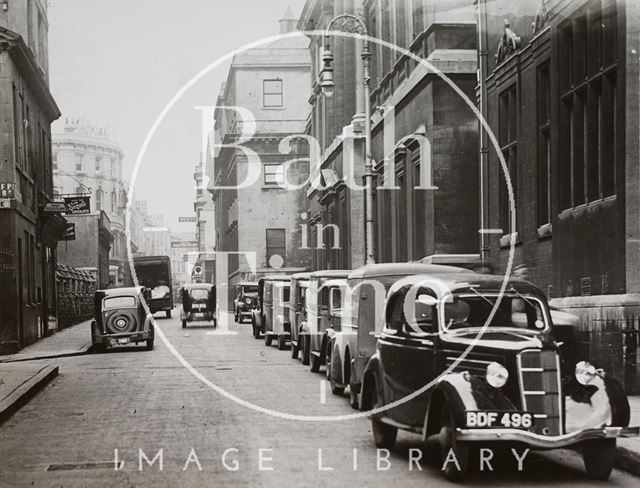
pixel 539 375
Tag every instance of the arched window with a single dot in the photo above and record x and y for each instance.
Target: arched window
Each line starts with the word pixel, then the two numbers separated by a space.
pixel 114 202
pixel 99 196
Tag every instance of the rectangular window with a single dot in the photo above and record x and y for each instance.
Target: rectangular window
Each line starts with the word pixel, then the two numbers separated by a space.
pixel 544 146
pixel 273 174
pixel 276 246
pixel 78 162
pixel 17 126
pixel 508 127
pixel 272 95
pixel 588 105
pixel 98 160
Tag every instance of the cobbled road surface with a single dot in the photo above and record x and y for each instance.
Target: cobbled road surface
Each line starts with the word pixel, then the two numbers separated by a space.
pixel 142 403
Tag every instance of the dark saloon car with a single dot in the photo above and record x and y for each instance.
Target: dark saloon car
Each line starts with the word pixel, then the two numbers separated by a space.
pixel 120 318
pixel 198 301
pixel 245 301
pixel 438 370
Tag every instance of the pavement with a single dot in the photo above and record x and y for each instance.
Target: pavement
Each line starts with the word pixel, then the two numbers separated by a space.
pixel 70 341
pixel 128 404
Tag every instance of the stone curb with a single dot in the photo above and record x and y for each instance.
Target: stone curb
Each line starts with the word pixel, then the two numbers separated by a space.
pixel 26 390
pixel 47 355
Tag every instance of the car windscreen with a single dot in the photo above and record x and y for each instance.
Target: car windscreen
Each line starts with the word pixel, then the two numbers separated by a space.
pixel 249 289
pixel 119 302
pixel 473 310
pixel 199 293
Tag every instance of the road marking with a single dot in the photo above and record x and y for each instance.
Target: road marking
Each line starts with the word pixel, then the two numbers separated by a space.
pixel 323 392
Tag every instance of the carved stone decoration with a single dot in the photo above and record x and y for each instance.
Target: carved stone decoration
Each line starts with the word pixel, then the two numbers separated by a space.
pixel 542 16
pixel 509 43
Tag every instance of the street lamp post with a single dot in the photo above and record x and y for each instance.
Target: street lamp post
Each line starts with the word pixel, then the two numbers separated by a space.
pixel 354 24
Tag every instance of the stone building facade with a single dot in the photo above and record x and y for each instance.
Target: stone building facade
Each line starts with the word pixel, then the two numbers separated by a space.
pixel 87 161
pixel 559 88
pixel 272 82
pixel 91 248
pixel 29 232
pixel 418 122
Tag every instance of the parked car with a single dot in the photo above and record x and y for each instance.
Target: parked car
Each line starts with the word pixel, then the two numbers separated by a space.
pixel 245 301
pixel 121 318
pixel 351 347
pixel 440 372
pixel 297 309
pixel 198 299
pixel 324 314
pixel 271 318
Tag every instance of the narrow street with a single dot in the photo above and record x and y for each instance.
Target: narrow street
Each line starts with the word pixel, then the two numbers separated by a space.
pixel 132 399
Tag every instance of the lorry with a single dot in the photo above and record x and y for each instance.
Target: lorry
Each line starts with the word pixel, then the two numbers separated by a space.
pixel 154 272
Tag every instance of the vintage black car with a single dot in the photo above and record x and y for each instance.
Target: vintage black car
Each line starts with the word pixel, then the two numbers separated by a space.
pixel 352 346
pixel 324 313
pixel 298 309
pixel 245 301
pixel 198 300
pixel 271 318
pixel 121 318
pixel 438 370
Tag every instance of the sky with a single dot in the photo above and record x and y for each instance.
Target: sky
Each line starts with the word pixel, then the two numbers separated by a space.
pixel 117 63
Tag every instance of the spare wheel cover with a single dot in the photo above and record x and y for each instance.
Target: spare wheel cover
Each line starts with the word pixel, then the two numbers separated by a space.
pixel 121 321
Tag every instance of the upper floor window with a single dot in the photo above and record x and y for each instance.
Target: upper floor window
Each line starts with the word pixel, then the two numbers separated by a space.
pixel 544 145
pixel 99 197
pixel 276 247
pixel 98 161
pixel 272 93
pixel 508 138
pixel 273 174
pixel 78 162
pixel 588 99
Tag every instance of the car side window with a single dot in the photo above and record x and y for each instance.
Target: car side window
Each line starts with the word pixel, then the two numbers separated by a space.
pixel 394 320
pixel 423 320
pixel 336 301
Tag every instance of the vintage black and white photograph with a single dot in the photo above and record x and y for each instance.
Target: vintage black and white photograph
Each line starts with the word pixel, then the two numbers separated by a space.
pixel 318 243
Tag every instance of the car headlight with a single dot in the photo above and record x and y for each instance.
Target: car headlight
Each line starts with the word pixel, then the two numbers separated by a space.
pixel 497 375
pixel 585 372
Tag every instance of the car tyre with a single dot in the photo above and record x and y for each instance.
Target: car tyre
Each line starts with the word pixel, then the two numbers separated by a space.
pixel 448 442
pixel 353 398
pixel 267 340
pixel 184 323
pixel 384 435
pixel 306 353
pixel 150 343
pixel 599 457
pixel 168 312
pixel 282 342
pixel 314 362
pixel 333 365
pixel 236 317
pixel 100 347
pixel 294 350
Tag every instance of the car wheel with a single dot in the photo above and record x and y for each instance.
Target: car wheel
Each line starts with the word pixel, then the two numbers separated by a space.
pixel 384 435
pixel 168 312
pixel 150 343
pixel 314 362
pixel 353 398
pixel 599 456
pixel 305 350
pixel 236 317
pixel 294 351
pixel 333 369
pixel 184 323
pixel 282 342
pixel 267 339
pixel 454 468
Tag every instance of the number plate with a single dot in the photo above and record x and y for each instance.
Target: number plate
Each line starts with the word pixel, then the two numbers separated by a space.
pixel 488 419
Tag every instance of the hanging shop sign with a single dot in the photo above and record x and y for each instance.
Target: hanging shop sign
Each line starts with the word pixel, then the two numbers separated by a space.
pixel 78 205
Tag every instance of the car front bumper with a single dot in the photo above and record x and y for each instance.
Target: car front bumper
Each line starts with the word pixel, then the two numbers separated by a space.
pixel 138 336
pixel 544 441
